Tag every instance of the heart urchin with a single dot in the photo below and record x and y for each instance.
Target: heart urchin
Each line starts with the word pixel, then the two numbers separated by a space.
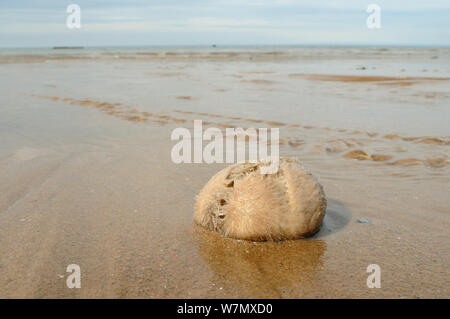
pixel 240 202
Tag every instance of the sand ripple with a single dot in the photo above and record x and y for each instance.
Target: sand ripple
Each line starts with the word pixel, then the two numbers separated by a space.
pixel 331 147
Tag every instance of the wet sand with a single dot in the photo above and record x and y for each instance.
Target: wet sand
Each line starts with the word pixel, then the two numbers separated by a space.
pixel 87 176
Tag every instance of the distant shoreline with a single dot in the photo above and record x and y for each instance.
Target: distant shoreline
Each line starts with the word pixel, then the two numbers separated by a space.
pixel 222 46
pixel 67 48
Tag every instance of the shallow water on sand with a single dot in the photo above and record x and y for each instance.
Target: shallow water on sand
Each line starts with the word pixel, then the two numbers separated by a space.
pixel 87 176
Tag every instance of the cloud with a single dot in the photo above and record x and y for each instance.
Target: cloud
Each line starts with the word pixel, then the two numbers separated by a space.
pixel 116 22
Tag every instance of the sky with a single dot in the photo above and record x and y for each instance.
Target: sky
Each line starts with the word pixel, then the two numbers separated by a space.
pixel 42 23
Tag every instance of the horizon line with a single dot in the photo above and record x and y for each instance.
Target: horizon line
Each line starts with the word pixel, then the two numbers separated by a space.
pixel 215 45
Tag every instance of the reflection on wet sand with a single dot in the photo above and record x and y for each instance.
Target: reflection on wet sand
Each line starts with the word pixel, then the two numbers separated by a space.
pixel 269 269
pixel 265 269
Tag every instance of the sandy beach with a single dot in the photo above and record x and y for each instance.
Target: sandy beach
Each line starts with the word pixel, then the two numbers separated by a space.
pixel 87 177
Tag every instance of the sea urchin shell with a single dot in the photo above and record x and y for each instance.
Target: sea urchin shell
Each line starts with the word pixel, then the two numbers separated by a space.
pixel 240 202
